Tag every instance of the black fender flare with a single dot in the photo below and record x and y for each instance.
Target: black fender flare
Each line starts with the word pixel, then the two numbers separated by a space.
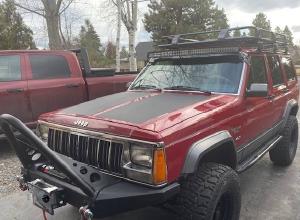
pixel 291 104
pixel 200 148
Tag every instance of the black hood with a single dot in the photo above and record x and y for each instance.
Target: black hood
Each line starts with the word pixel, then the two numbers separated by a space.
pixel 135 107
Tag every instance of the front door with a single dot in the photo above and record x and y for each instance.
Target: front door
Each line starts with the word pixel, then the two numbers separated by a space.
pixel 259 109
pixel 53 85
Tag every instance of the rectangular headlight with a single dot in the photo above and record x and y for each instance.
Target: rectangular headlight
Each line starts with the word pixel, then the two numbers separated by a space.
pixel 141 156
pixel 145 163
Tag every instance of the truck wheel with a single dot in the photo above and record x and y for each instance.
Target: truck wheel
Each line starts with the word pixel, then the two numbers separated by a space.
pixel 284 152
pixel 212 193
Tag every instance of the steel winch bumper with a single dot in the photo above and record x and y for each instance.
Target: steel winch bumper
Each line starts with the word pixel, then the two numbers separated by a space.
pixel 55 179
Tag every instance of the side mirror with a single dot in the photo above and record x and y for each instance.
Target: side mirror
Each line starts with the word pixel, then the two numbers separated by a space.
pixel 257 90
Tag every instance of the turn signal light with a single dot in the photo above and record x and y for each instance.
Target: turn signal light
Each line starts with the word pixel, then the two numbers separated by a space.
pixel 160 167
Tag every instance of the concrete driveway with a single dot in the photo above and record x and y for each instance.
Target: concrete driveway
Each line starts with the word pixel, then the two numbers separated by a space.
pixel 268 192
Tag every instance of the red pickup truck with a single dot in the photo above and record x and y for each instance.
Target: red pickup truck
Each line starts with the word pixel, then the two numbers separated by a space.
pixel 35 82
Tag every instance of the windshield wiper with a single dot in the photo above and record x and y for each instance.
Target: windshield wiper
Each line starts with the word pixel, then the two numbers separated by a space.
pixel 147 87
pixel 187 88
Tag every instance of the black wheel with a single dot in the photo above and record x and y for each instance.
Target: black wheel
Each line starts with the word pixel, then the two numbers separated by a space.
pixel 213 193
pixel 284 152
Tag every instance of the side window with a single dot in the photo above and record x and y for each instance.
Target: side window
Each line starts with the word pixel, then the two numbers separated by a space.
pixel 257 71
pixel 276 71
pixel 49 66
pixel 288 66
pixel 10 68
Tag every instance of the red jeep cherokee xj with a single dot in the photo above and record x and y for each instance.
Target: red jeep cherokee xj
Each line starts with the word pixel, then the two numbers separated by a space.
pixel 199 113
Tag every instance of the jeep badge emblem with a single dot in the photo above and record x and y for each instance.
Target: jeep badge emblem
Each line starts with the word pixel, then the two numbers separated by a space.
pixel 81 123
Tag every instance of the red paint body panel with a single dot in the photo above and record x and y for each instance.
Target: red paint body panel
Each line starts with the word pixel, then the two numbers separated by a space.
pixel 41 96
pixel 16 103
pixel 181 128
pixel 100 86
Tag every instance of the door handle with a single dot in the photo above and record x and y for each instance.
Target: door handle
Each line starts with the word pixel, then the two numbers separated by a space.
pixel 285 90
pixel 72 85
pixel 270 97
pixel 16 90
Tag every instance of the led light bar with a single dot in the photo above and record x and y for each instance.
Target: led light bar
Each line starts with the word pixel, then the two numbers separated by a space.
pixel 193 52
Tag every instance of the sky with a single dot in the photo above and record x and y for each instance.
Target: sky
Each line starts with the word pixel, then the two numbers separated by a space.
pixel 279 12
pixel 239 13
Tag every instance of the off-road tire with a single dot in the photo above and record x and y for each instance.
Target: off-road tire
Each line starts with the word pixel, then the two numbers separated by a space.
pixel 203 192
pixel 284 152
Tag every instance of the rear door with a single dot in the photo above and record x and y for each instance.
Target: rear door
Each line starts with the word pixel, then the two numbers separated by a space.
pixel 259 109
pixel 54 84
pixel 291 77
pixel 279 88
pixel 99 86
pixel 13 87
pixel 121 81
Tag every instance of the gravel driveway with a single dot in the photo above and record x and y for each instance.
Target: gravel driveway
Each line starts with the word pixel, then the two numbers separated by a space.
pixel 9 169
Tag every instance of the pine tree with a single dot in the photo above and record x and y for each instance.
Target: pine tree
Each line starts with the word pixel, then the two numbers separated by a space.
pixel 110 51
pixel 278 30
pixel 89 39
pixel 124 53
pixel 286 31
pixel 261 21
pixel 14 33
pixel 237 33
pixel 182 16
pixel 296 56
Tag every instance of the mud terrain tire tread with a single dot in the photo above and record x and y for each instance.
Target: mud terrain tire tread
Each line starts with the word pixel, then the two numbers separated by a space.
pixel 280 155
pixel 201 192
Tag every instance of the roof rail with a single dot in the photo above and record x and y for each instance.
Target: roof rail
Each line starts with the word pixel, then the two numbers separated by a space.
pixel 247 36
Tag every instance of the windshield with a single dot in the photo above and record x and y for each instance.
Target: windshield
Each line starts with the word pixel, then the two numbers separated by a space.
pixel 213 74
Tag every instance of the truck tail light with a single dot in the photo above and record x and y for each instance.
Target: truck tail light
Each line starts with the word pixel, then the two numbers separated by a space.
pixel 160 167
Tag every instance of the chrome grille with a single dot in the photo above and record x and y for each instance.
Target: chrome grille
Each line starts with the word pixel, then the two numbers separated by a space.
pixel 102 153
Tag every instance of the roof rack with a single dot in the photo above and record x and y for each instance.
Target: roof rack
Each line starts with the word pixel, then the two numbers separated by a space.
pixel 243 37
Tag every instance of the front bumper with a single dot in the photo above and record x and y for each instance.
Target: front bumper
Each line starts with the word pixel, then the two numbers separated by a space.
pixel 81 185
pixel 116 195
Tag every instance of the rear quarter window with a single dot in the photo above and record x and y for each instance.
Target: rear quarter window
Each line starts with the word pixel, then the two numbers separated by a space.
pixel 276 72
pixel 289 68
pixel 49 66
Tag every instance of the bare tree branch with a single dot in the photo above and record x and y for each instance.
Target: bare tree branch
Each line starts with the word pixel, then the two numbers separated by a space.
pixel 58 5
pixel 61 33
pixel 65 7
pixel 125 18
pixel 46 6
pixel 30 10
